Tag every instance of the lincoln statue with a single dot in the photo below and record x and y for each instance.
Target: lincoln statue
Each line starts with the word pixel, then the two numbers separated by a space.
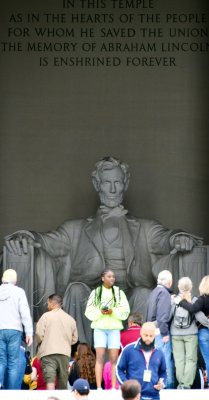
pixel 69 260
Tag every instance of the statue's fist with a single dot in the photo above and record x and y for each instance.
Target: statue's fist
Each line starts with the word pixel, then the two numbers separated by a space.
pixel 183 242
pixel 18 242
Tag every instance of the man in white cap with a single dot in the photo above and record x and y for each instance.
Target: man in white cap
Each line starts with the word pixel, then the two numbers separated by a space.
pixel 14 315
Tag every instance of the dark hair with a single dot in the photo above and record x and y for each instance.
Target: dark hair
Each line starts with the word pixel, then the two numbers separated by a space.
pixel 98 291
pixel 136 318
pixel 56 298
pixel 130 389
pixel 106 270
pixel 74 348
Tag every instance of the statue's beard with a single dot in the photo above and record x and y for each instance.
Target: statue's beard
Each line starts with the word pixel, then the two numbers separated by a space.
pixel 115 201
pixel 147 347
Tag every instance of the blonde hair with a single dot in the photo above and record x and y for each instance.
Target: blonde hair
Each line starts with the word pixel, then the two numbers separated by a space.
pixel 185 284
pixel 204 285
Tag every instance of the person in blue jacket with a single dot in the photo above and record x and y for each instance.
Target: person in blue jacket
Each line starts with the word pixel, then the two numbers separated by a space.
pixel 142 361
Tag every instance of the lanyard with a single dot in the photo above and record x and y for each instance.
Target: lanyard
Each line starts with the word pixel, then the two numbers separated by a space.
pixel 147 359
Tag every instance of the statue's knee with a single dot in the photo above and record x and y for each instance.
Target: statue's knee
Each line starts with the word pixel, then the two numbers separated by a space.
pixel 76 293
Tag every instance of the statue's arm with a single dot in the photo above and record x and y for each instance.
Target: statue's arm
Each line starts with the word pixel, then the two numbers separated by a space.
pixel 162 240
pixel 183 242
pixel 56 243
pixel 19 241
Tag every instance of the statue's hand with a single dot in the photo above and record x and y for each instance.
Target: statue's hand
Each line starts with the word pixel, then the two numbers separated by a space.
pixel 18 242
pixel 183 242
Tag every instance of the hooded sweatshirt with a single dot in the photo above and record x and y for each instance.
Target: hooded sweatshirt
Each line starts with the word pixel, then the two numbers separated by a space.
pixel 14 309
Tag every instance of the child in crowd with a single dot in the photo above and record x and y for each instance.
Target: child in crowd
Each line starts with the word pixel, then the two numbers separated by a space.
pixel 37 375
pixel 28 383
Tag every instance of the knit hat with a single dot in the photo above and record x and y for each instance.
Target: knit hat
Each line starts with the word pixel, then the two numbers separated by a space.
pixel 82 386
pixel 9 275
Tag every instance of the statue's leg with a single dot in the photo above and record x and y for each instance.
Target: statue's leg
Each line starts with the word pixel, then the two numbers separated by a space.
pixel 138 299
pixel 194 264
pixel 74 303
pixel 170 262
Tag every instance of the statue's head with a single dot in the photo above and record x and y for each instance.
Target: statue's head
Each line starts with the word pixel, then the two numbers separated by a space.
pixel 110 179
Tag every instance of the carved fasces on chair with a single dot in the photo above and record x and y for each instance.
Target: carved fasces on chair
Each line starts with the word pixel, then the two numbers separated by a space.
pixel 194 264
pixel 36 270
pixel 19 242
pixel 24 265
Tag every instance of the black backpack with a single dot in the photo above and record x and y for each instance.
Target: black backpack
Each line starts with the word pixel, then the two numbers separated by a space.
pixel 182 318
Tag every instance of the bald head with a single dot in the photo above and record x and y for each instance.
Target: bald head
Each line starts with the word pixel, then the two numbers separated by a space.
pixel 148 326
pixel 148 332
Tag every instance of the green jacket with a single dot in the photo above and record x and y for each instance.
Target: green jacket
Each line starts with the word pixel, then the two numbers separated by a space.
pixel 120 310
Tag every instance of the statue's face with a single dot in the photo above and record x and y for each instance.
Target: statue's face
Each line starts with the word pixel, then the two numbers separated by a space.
pixel 112 187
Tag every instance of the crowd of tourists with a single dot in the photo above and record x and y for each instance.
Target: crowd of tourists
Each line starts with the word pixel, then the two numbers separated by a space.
pixel 140 354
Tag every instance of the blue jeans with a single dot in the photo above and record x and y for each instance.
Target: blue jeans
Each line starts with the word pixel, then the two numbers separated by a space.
pixel 167 351
pixel 203 338
pixel 10 340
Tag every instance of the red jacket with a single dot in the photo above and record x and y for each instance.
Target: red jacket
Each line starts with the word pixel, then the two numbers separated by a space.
pixel 130 335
